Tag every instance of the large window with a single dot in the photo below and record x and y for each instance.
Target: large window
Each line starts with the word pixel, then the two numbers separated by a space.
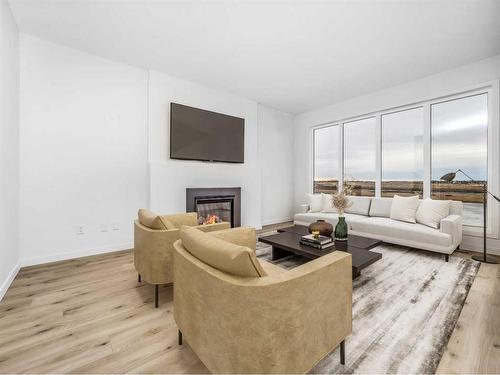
pixel 403 153
pixel 326 159
pixel 360 156
pixel 459 142
pixel 407 151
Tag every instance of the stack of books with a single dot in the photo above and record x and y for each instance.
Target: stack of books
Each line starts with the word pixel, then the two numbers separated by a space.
pixel 320 242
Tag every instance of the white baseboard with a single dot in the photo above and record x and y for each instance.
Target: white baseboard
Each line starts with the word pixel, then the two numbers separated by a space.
pixel 74 254
pixel 277 221
pixel 6 283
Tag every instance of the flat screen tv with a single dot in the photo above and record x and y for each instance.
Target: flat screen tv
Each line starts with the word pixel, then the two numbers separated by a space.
pixel 196 134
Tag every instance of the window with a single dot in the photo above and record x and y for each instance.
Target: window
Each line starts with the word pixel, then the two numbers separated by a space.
pixel 406 151
pixel 403 153
pixel 459 141
pixel 360 156
pixel 326 159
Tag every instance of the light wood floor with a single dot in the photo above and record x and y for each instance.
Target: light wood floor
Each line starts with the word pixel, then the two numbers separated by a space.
pixel 90 315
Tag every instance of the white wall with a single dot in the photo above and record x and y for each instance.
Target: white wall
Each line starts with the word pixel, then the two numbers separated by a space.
pixel 169 178
pixel 471 76
pixel 95 147
pixel 9 148
pixel 83 151
pixel 276 155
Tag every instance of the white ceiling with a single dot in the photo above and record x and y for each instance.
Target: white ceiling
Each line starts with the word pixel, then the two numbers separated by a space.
pixel 291 55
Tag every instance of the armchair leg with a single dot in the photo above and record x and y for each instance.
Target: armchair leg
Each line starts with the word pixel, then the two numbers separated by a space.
pixel 180 337
pixel 342 352
pixel 156 295
pixel 139 277
pixel 446 257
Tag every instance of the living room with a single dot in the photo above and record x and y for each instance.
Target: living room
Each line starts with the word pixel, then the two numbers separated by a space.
pixel 371 126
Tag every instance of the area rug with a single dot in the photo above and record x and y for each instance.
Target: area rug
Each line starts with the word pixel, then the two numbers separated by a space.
pixel 405 307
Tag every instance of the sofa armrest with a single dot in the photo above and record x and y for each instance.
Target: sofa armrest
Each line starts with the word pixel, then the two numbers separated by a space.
pixel 304 208
pixel 213 227
pixel 452 225
pixel 242 236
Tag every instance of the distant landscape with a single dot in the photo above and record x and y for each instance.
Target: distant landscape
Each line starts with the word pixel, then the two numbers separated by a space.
pixel 467 192
pixel 471 193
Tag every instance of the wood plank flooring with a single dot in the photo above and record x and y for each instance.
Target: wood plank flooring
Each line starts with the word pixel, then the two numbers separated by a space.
pixel 90 315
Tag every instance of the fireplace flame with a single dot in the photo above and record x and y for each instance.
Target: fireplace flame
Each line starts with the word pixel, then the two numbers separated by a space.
pixel 210 219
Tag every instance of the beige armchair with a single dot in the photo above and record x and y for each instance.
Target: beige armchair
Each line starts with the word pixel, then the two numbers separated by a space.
pixel 154 237
pixel 275 321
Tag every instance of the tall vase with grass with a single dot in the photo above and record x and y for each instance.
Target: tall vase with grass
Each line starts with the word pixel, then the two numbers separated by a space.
pixel 341 202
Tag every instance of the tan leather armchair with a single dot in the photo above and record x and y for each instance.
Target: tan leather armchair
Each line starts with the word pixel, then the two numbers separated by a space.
pixel 280 322
pixel 153 248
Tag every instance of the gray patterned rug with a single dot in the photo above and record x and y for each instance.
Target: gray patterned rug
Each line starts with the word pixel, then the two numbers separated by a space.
pixel 405 308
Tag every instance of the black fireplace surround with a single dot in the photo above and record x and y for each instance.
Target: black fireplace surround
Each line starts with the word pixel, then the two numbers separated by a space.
pixel 223 202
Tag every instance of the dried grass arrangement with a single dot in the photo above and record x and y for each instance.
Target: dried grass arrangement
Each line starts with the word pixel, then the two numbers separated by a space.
pixel 341 201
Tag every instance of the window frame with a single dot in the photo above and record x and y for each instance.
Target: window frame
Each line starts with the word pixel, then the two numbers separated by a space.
pixel 493 152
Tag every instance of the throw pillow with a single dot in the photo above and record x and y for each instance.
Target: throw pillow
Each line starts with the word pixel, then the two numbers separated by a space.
pixel 326 205
pixel 404 208
pixel 431 212
pixel 315 202
pixel 359 205
pixel 222 255
pixel 381 207
pixel 150 219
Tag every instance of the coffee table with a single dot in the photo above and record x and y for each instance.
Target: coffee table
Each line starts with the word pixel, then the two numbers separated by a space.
pixel 287 242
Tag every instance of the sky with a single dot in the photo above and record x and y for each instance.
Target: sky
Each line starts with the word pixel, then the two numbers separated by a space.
pixel 459 140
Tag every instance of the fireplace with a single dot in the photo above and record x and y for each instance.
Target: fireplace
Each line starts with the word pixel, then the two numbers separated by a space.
pixel 225 203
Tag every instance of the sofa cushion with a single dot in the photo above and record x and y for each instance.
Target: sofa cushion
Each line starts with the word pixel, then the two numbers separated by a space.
pixel 360 205
pixel 326 205
pixel 178 220
pixel 381 207
pixel 315 202
pixel 222 255
pixel 311 217
pixel 151 220
pixel 385 227
pixel 430 212
pixel 404 208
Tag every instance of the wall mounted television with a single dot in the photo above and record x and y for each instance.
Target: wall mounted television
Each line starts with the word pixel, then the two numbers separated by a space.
pixel 197 134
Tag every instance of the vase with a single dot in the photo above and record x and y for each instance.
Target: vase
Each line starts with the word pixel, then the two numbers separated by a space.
pixel 341 229
pixel 324 228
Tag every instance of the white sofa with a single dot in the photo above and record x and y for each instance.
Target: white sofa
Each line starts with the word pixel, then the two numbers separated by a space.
pixel 370 217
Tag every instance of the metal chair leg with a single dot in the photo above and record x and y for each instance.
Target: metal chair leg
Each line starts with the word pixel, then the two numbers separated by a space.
pixel 342 352
pixel 156 296
pixel 180 337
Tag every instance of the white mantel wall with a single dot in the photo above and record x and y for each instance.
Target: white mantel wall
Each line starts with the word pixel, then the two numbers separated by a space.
pixel 471 76
pixel 9 148
pixel 170 178
pixel 95 146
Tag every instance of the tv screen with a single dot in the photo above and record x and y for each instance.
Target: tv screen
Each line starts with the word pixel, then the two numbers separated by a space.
pixel 196 134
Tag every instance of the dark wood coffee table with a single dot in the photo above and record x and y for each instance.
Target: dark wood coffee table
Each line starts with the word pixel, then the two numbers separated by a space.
pixel 287 242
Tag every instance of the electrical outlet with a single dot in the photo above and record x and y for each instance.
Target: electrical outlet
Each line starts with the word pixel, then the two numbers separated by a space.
pixel 80 229
pixel 115 226
pixel 104 228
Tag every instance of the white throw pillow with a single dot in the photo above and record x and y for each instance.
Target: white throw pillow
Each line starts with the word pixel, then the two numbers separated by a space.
pixel 381 207
pixel 327 204
pixel 315 202
pixel 404 208
pixel 359 205
pixel 431 212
